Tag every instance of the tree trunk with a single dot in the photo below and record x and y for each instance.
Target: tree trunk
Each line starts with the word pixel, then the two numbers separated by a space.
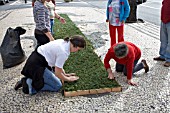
pixel 133 8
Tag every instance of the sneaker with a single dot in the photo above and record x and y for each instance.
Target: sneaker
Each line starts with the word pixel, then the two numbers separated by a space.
pixel 24 86
pixel 159 59
pixel 18 85
pixel 146 67
pixel 167 64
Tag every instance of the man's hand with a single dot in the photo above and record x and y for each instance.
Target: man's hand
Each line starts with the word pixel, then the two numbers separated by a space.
pixel 73 78
pixel 111 76
pixel 70 74
pixel 62 20
pixel 131 83
pixel 48 34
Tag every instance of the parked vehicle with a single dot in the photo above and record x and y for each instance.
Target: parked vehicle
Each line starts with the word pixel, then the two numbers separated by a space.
pixel 4 1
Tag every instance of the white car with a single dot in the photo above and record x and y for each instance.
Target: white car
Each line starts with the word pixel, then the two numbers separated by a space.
pixel 4 1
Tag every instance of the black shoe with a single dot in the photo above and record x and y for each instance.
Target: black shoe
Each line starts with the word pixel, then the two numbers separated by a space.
pixel 159 59
pixel 146 67
pixel 167 64
pixel 18 85
pixel 24 86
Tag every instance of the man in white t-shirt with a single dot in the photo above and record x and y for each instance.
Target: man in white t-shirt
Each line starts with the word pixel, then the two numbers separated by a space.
pixel 37 70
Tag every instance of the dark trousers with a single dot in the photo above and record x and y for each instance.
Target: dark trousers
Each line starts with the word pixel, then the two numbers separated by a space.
pixel 122 68
pixel 41 39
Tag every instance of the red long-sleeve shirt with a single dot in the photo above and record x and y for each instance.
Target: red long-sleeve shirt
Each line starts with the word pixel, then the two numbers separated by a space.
pixel 134 53
pixel 165 12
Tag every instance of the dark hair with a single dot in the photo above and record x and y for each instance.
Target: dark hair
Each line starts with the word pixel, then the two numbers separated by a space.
pixel 77 41
pixel 120 50
pixel 53 1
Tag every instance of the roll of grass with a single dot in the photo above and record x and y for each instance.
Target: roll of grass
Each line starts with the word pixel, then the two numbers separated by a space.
pixel 86 64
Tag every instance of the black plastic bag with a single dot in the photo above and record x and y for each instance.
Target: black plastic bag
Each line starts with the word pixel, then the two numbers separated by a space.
pixel 11 51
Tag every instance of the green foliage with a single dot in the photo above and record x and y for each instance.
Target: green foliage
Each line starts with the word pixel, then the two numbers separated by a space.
pixel 86 64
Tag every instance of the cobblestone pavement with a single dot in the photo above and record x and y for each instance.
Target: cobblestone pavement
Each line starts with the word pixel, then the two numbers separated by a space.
pixel 152 95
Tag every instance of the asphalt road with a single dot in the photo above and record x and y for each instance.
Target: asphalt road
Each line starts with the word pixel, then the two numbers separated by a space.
pixel 150 11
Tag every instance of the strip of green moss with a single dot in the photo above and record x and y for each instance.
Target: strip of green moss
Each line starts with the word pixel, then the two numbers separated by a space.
pixel 85 63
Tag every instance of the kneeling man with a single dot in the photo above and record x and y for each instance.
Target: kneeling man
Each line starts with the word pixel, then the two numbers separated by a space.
pixel 126 55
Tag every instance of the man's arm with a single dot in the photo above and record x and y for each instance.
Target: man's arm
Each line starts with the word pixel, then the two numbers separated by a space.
pixel 107 65
pixel 129 67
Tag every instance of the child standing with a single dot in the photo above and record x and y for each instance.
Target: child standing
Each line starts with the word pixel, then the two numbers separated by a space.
pixel 117 12
pixel 51 6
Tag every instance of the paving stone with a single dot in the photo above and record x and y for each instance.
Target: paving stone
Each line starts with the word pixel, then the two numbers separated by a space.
pixel 152 94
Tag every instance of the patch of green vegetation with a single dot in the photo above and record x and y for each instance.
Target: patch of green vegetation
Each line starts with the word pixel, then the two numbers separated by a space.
pixel 86 64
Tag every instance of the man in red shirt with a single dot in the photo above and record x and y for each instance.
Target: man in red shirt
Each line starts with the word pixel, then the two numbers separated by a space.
pixel 164 51
pixel 126 54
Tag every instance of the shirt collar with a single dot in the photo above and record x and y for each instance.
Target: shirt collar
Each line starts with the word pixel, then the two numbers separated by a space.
pixel 68 47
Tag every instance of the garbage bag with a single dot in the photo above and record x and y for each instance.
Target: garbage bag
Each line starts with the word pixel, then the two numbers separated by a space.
pixel 11 51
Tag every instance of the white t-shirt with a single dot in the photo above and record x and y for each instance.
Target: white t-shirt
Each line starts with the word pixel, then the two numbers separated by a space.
pixel 51 8
pixel 114 11
pixel 55 52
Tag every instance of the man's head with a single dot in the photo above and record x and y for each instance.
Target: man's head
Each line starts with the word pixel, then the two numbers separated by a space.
pixel 77 42
pixel 121 50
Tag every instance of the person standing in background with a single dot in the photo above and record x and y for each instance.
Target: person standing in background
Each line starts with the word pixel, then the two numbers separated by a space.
pixel 117 12
pixel 42 20
pixel 51 6
pixel 164 52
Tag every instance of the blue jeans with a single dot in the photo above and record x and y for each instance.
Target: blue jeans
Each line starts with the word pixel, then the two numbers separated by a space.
pixel 51 82
pixel 52 24
pixel 136 68
pixel 165 41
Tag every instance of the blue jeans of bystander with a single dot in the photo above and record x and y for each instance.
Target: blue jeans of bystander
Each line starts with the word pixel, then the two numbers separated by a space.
pixel 165 41
pixel 52 24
